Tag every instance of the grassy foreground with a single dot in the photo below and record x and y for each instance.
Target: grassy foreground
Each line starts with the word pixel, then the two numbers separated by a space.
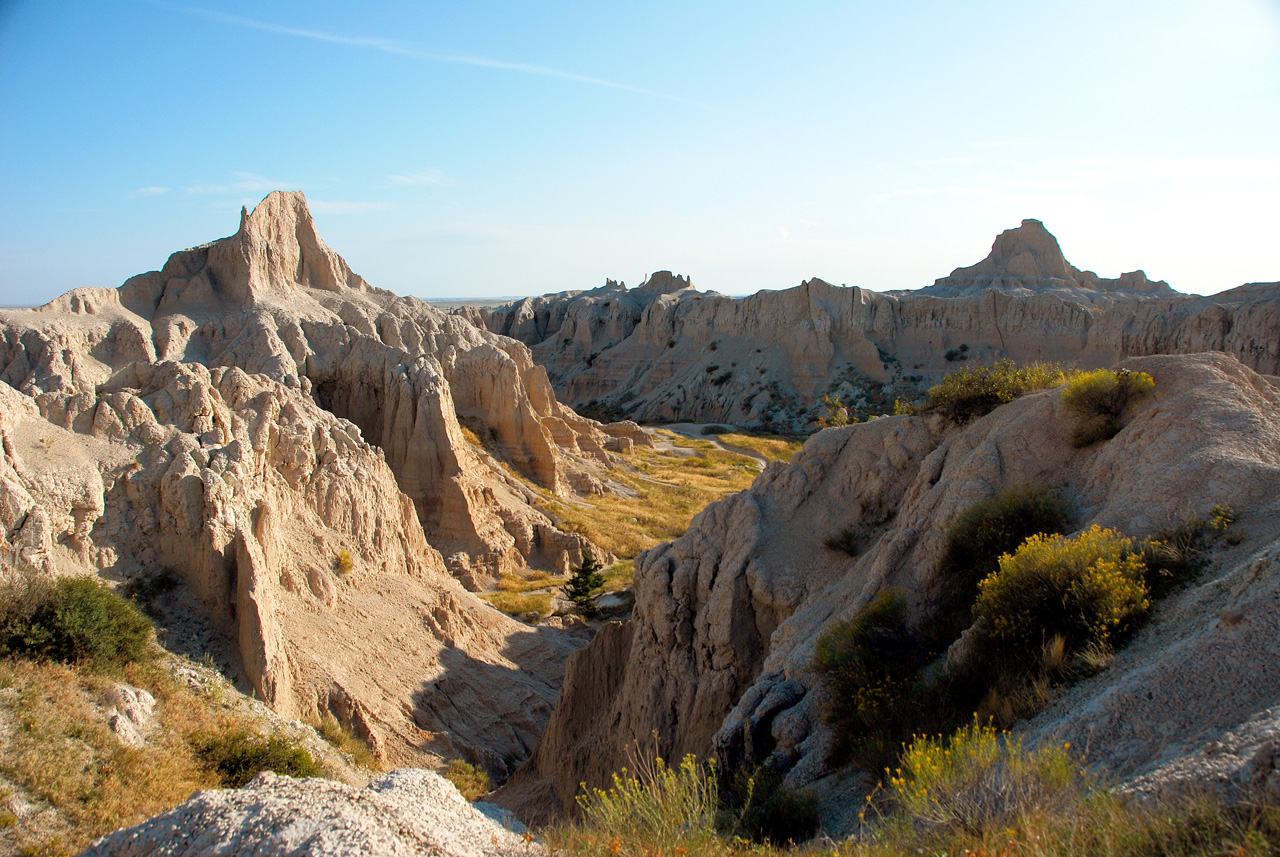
pixel 979 792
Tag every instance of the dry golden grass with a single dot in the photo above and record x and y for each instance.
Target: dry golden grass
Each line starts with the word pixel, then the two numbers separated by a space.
pixel 346 741
pixel 60 749
pixel 772 447
pixel 518 595
pixel 535 580
pixel 671 488
pixel 62 752
pixel 520 603
pixel 618 576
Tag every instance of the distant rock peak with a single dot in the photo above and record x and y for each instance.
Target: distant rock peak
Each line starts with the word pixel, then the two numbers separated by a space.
pixel 663 283
pixel 1028 258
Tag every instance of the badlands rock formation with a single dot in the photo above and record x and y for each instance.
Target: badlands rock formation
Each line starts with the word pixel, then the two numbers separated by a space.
pixel 716 659
pixel 666 352
pixel 257 419
pixel 409 813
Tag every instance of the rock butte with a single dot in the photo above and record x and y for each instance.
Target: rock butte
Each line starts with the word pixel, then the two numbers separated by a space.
pixel 666 352
pixel 215 418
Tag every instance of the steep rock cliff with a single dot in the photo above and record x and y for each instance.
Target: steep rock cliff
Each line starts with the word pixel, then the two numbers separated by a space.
pixel 285 438
pixel 716 659
pixel 671 353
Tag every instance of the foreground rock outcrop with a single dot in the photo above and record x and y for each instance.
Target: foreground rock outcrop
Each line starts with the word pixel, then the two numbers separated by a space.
pixel 406 813
pixel 257 421
pixel 716 659
pixel 666 352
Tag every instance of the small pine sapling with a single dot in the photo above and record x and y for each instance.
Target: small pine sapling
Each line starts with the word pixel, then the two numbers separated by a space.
pixel 584 581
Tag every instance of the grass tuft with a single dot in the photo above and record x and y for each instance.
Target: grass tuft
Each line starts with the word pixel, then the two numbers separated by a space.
pixel 470 780
pixel 236 757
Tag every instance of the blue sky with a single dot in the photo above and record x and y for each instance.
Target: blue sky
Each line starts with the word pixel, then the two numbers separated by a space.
pixel 479 149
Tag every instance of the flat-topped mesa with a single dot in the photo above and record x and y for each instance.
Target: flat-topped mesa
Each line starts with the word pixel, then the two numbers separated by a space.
pixel 1028 259
pixel 663 283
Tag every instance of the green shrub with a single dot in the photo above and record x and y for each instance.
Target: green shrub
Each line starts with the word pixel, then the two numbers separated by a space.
pixel 72 620
pixel 975 391
pixel 585 581
pixel 1086 589
pixel 471 781
pixel 764 810
pixel 237 757
pixel 978 537
pixel 1097 400
pixel 870 663
pixel 980 780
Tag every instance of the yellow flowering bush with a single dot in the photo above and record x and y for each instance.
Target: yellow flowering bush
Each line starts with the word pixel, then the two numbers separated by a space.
pixel 981 779
pixel 1097 400
pixel 1086 589
pixel 657 808
pixel 870 663
pixel 978 390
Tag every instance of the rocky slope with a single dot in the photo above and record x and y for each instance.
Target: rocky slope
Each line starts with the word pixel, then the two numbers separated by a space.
pixel 716 659
pixel 403 814
pixel 286 439
pixel 667 352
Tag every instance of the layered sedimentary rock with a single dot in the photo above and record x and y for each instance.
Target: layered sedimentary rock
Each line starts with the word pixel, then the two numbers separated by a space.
pixel 286 439
pixel 669 353
pixel 717 657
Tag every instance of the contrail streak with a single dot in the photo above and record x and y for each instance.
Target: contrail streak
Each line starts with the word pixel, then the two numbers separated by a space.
pixel 388 46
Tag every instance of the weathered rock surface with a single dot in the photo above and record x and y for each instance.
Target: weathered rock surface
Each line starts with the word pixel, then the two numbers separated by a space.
pixel 406 813
pixel 715 660
pixel 665 352
pixel 285 438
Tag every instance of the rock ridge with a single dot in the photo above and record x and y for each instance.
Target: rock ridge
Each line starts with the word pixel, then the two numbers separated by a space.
pixel 293 445
pixel 767 360
pixel 716 658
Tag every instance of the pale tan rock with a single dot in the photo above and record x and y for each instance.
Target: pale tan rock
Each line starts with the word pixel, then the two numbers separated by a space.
pixel 255 414
pixel 717 655
pixel 672 354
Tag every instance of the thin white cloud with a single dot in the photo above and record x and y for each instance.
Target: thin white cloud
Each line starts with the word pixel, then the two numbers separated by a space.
pixel 320 206
pixel 149 191
pixel 430 177
pixel 389 46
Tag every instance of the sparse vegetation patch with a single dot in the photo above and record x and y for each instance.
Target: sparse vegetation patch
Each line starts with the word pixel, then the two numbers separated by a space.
pixel 71 620
pixel 976 391
pixel 472 781
pixel 1097 401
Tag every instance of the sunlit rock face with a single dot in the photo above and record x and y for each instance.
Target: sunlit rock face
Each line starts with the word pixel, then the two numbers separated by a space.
pixel 666 352
pixel 717 659
pixel 287 440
